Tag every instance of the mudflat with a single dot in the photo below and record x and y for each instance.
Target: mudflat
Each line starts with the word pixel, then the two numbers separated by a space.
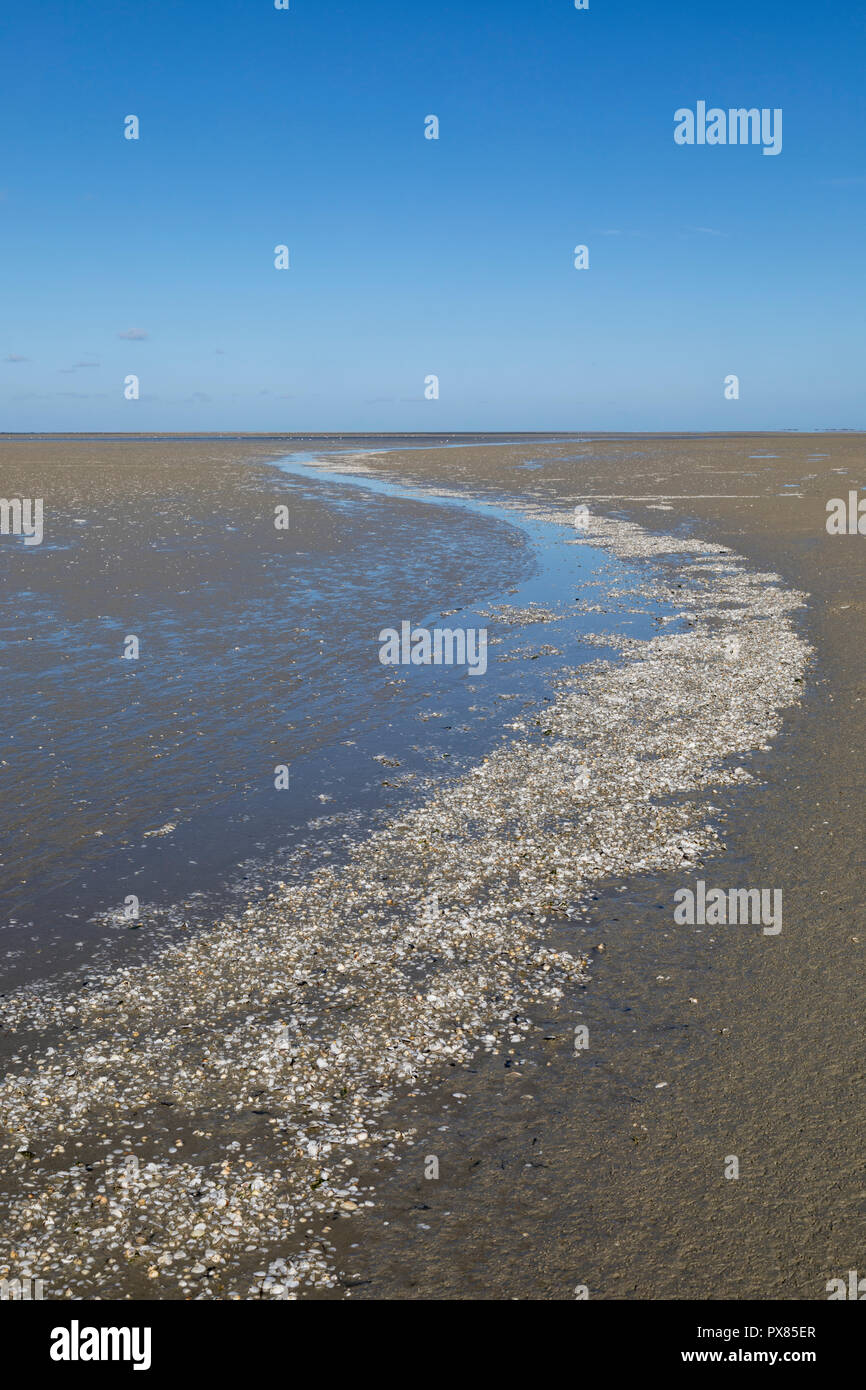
pixel 603 1169
pixel 600 1179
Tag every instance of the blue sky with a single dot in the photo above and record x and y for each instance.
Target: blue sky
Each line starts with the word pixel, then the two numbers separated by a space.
pixel 412 257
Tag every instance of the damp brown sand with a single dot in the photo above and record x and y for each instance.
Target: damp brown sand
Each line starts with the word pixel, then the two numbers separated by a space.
pixel 578 1171
pixel 556 1170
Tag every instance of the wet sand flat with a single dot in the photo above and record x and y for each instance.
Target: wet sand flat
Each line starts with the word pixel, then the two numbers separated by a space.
pixel 252 654
pixel 607 1169
pixel 600 1179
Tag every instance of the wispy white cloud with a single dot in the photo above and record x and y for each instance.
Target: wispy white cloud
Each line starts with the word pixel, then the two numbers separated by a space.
pixel 60 395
